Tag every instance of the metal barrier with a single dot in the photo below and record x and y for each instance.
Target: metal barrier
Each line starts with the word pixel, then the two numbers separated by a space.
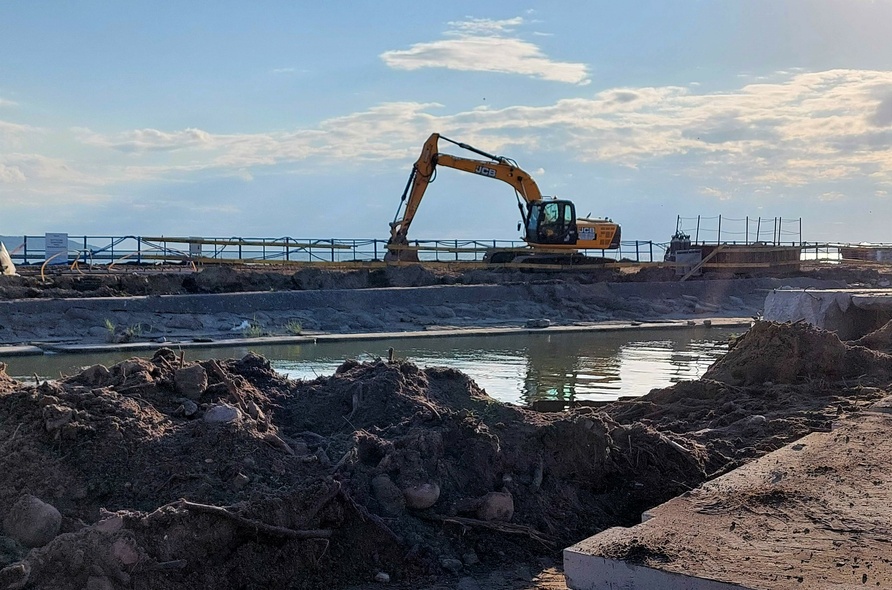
pixel 108 251
pixel 145 250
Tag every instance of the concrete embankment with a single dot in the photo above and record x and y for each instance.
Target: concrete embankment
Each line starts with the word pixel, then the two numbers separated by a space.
pixel 851 313
pixel 814 514
pixel 345 311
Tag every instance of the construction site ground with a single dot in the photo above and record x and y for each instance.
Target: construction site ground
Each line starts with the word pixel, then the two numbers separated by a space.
pixel 160 472
pixel 222 303
pixel 814 514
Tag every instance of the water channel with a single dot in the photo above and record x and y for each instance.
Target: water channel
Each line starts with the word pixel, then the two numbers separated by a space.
pixel 518 368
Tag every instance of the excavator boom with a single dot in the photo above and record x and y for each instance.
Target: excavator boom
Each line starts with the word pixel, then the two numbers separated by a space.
pixel 424 170
pixel 548 224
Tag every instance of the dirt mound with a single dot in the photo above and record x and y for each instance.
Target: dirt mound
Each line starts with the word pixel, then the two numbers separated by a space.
pixel 778 383
pixel 789 353
pixel 224 474
pixel 879 340
pixel 260 481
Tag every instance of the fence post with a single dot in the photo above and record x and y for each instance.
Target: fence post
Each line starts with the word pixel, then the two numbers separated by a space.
pixel 718 237
pixel 747 226
pixel 287 250
pixel 138 250
pixel 637 255
pixel 697 235
pixel 651 244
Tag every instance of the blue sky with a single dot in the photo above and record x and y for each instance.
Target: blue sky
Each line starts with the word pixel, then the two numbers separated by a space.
pixel 303 119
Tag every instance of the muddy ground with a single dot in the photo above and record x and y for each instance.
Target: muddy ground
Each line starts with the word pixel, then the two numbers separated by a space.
pixel 166 473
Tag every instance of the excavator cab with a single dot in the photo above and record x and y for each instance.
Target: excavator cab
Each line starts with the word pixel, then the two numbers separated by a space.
pixel 551 222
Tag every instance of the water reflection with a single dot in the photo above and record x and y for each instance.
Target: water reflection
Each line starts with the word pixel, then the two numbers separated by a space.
pixel 517 368
pixel 605 366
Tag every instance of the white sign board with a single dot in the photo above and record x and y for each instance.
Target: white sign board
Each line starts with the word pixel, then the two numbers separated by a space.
pixel 56 248
pixel 195 249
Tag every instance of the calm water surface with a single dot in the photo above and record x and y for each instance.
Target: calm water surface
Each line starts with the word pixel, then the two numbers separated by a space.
pixel 512 368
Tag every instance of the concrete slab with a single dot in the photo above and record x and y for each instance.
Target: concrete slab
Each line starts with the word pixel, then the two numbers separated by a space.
pixel 23 350
pixel 431 333
pixel 851 313
pixel 177 344
pixel 816 514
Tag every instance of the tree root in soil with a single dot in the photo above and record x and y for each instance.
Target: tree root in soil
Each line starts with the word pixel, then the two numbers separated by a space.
pixel 501 527
pixel 250 523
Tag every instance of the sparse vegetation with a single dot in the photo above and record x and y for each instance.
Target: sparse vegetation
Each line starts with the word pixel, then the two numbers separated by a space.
pixel 134 331
pixel 294 327
pixel 253 330
pixel 116 334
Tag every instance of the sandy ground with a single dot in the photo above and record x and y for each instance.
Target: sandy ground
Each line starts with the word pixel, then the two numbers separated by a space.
pixel 813 515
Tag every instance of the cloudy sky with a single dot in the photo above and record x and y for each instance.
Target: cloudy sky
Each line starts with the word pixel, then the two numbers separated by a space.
pixel 282 118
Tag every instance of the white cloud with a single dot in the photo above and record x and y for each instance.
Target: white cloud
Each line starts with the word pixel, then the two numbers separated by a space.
pixel 715 193
pixel 11 174
pixel 4 103
pixel 808 129
pixel 49 171
pixel 10 131
pixel 831 196
pixel 481 46
pixel 142 140
pixel 483 26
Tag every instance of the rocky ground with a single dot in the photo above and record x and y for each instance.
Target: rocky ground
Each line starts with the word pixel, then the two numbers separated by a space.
pixel 166 473
pixel 218 303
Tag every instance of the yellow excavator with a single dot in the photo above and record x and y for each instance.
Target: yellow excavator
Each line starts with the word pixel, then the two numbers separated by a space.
pixel 552 231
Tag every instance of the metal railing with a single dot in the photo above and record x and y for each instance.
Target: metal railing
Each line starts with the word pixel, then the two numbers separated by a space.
pixel 105 250
pixel 87 251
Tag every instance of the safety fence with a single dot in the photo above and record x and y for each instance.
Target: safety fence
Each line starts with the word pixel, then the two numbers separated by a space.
pixel 148 250
pixel 88 251
pixel 720 229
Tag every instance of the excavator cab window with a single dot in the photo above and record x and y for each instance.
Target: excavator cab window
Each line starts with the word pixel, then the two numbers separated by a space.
pixel 551 222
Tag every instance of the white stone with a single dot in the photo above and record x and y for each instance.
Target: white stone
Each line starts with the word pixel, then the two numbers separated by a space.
pixel 422 496
pixel 222 413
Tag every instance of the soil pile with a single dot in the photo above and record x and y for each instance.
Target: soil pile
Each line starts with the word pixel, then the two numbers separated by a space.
pixel 789 353
pixel 166 474
pixel 879 340
pixel 124 280
pixel 226 279
pixel 224 474
pixel 777 383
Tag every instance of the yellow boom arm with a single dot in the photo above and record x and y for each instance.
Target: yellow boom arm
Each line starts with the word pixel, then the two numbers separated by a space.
pixel 424 170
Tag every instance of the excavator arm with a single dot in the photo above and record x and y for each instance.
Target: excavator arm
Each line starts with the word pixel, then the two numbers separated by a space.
pixel 424 172
pixel 549 224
